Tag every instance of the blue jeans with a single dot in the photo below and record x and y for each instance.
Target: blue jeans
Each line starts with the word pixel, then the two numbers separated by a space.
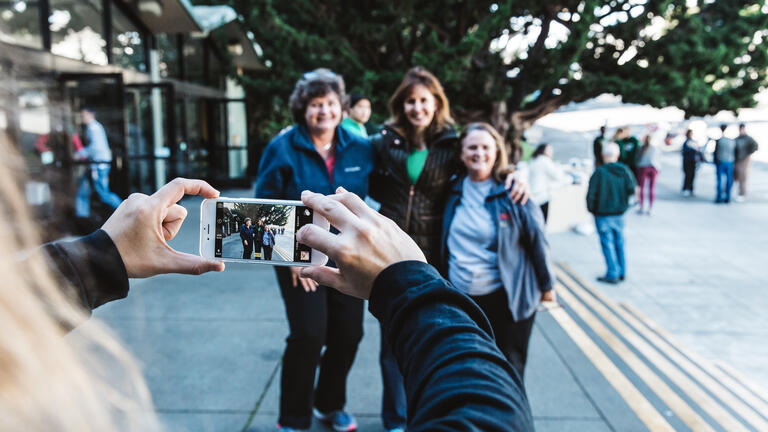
pixel 611 232
pixel 393 401
pixel 96 177
pixel 724 169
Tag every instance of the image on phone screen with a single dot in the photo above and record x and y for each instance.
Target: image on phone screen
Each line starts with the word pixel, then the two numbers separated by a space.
pixel 267 232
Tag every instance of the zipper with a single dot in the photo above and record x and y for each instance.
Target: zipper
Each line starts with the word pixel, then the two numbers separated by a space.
pixel 411 192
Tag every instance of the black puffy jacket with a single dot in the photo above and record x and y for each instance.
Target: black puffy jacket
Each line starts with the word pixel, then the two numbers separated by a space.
pixel 416 208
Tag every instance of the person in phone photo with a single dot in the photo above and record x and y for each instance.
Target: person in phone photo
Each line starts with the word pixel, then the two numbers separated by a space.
pixel 268 243
pixel 246 235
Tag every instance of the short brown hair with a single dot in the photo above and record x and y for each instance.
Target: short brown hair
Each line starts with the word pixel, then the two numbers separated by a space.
pixel 316 83
pixel 501 167
pixel 419 76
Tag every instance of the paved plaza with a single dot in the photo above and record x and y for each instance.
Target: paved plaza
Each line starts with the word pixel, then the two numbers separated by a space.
pixel 679 346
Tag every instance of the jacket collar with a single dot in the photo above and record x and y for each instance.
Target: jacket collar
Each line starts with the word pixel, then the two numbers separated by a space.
pixel 302 140
pixel 440 138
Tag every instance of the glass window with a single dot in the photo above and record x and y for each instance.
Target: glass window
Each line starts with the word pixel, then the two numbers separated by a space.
pixel 194 60
pixel 127 42
pixel 77 30
pixel 20 23
pixel 169 55
pixel 218 72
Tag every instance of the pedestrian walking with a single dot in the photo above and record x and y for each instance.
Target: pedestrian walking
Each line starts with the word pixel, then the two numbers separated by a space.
pixel 316 154
pixel 725 156
pixel 628 145
pixel 648 167
pixel 745 146
pixel 247 237
pixel 416 155
pixel 358 114
pixel 96 177
pixel 691 157
pixel 268 243
pixel 545 177
pixel 597 147
pixel 608 199
pixel 504 265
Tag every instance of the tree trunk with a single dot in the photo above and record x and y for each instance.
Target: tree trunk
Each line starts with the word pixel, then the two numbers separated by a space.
pixel 521 120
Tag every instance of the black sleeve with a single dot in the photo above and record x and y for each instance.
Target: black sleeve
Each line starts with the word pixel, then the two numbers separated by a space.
pixel 90 269
pixel 455 376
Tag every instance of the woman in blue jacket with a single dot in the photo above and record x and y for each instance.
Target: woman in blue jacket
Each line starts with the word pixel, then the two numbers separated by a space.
pixel 247 237
pixel 316 154
pixel 505 265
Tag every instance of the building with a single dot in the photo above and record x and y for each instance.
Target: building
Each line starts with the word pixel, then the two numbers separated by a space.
pixel 157 73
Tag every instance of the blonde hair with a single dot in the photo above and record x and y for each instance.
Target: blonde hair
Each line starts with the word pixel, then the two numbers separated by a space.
pixel 49 382
pixel 501 166
pixel 414 77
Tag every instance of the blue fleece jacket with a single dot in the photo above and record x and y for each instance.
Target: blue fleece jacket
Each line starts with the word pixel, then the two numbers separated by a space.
pixel 290 164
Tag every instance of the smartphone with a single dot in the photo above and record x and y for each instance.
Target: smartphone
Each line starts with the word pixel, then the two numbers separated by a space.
pixel 260 231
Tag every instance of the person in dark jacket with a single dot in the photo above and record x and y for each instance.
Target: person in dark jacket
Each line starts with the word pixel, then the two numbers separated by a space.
pixel 745 146
pixel 597 147
pixel 504 266
pixel 608 199
pixel 268 243
pixel 416 155
pixel 320 155
pixel 628 146
pixel 691 157
pixel 247 237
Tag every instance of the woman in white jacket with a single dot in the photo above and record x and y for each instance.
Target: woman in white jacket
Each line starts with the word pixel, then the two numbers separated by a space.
pixel 545 176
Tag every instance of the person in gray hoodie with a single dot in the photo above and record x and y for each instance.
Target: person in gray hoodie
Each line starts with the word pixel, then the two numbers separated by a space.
pixel 608 199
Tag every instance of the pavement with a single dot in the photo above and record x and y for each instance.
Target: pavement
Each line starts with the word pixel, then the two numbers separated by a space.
pixel 679 346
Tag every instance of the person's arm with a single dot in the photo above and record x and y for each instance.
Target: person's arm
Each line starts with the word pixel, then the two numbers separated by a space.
pixel 89 269
pixel 455 376
pixel 592 193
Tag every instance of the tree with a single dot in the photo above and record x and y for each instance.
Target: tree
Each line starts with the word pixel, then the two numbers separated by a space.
pixel 511 63
pixel 271 214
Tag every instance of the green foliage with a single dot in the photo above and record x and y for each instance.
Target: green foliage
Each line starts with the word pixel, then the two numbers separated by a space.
pixel 513 62
pixel 271 214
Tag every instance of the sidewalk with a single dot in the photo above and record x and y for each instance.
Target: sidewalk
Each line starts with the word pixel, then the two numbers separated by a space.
pixel 211 346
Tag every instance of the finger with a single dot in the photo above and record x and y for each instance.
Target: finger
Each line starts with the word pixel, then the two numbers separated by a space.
pixel 335 212
pixel 294 279
pixel 172 192
pixel 173 220
pixel 324 276
pixel 307 284
pixel 318 238
pixel 353 202
pixel 185 263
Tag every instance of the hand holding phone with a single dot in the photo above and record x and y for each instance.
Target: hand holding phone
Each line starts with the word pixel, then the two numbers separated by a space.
pixel 141 226
pixel 258 231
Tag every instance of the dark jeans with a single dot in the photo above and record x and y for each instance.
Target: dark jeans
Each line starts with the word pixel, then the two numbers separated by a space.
pixel 257 250
pixel 545 210
pixel 247 250
pixel 267 252
pixel 394 404
pixel 689 172
pixel 511 337
pixel 316 319
pixel 724 183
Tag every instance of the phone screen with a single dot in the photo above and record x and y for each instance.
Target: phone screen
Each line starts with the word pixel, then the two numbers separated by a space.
pixel 252 231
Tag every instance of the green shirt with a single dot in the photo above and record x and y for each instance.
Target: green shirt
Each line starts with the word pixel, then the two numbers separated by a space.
pixel 415 164
pixel 354 127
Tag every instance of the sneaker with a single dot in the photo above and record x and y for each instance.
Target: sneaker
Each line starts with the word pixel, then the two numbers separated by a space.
pixel 339 420
pixel 738 198
pixel 604 279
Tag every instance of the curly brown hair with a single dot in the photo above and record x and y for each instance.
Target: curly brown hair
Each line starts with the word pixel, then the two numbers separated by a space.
pixel 316 83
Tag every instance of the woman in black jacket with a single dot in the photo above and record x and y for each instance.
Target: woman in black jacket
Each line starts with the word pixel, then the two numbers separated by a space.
pixel 416 156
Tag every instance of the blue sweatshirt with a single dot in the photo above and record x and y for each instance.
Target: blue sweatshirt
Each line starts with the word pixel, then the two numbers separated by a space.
pixel 455 376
